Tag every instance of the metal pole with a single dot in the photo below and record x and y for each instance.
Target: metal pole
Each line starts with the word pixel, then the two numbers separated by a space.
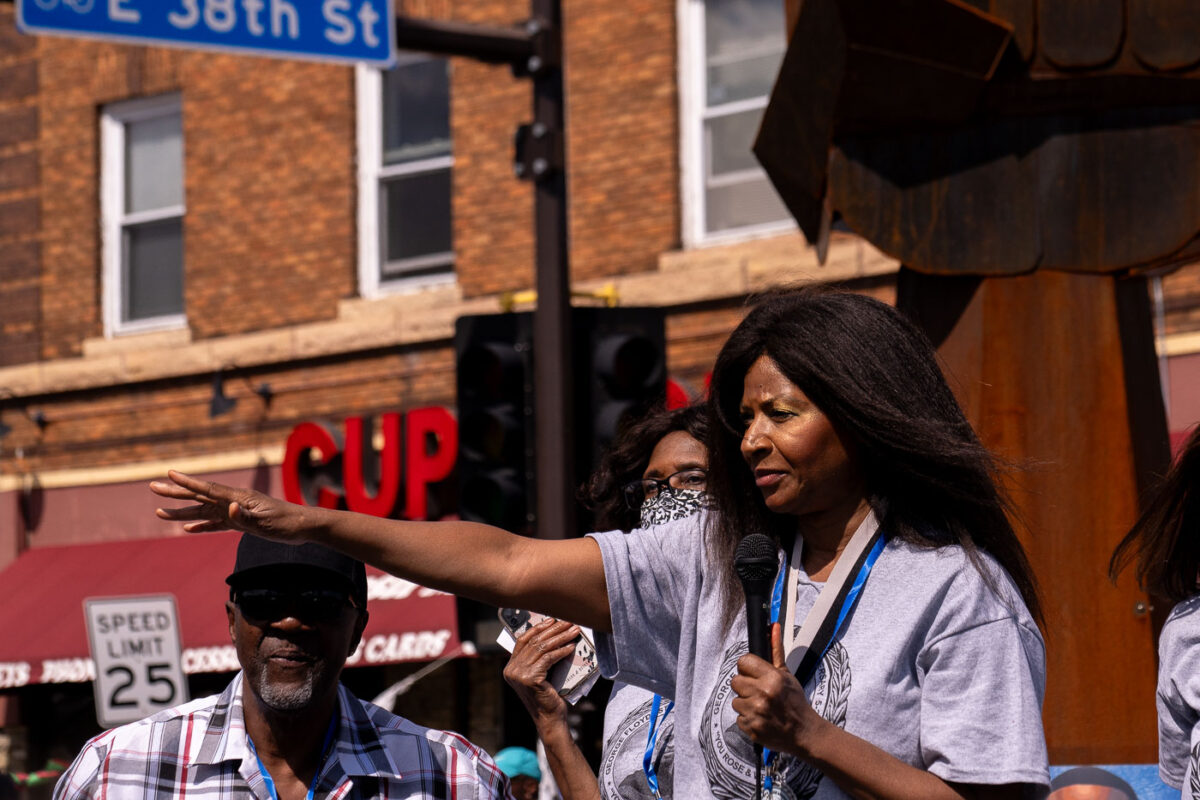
pixel 536 52
pixel 554 445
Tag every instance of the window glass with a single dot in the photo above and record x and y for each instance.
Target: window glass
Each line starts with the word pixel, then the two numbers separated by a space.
pixel 416 111
pixel 728 140
pixel 153 163
pixel 417 213
pixel 740 204
pixel 142 211
pixel 153 269
pixel 412 185
pixel 744 44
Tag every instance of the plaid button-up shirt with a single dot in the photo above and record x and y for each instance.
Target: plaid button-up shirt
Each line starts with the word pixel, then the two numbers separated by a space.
pixel 199 750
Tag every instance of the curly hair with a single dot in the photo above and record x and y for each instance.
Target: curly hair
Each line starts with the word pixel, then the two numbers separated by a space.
pixel 875 376
pixel 1164 539
pixel 626 460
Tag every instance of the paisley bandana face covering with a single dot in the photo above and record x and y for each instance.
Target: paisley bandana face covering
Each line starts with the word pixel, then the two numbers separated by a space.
pixel 671 504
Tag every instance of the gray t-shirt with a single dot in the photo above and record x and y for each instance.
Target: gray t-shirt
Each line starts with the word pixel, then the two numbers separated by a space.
pixel 932 667
pixel 626 734
pixel 1179 699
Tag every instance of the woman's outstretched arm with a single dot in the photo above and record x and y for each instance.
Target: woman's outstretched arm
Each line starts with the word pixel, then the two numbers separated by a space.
pixel 562 578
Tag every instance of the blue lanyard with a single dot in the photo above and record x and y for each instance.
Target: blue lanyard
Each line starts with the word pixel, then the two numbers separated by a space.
pixel 777 592
pixel 269 782
pixel 860 580
pixel 651 738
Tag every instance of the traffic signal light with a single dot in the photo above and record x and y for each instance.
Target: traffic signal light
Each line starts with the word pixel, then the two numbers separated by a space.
pixel 619 365
pixel 620 372
pixel 495 425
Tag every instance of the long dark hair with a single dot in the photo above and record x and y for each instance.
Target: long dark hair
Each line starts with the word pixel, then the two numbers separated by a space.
pixel 1166 538
pixel 875 376
pixel 628 458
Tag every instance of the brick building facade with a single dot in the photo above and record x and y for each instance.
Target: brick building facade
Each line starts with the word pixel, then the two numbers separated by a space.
pixel 270 245
pixel 273 237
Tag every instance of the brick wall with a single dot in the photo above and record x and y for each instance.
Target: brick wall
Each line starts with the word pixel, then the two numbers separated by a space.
pixel 493 211
pixel 270 236
pixel 269 184
pixel 622 139
pixel 623 135
pixel 19 196
pixel 695 336
pixel 270 180
pixel 269 169
pixel 169 420
pixel 269 242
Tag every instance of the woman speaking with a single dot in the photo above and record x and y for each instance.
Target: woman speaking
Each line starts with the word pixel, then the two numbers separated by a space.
pixel 902 598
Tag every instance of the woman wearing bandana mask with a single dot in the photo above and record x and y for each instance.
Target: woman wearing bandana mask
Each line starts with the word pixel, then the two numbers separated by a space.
pixel 655 472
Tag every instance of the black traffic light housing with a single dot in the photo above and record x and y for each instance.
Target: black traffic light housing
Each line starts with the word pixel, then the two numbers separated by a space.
pixel 495 425
pixel 620 373
pixel 619 360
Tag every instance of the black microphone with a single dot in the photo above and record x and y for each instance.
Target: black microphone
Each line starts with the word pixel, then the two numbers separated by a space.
pixel 756 561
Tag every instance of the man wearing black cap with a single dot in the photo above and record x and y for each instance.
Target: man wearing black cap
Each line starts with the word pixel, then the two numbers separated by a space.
pixel 285 728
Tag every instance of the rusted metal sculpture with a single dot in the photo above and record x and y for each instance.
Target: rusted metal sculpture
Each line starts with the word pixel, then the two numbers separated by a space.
pixel 964 141
pixel 1026 161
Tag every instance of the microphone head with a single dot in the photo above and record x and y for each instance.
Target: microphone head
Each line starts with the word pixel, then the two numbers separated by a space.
pixel 755 558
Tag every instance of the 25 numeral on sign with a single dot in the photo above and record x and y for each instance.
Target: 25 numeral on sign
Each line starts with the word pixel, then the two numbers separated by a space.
pixel 155 673
pixel 134 642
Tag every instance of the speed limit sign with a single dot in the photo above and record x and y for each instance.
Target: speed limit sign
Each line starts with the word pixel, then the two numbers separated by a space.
pixel 135 644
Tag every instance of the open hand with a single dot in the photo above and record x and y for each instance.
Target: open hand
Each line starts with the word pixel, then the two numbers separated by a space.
pixel 771 705
pixel 218 508
pixel 537 650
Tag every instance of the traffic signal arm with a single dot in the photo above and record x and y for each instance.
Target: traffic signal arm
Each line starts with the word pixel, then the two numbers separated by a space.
pixel 560 577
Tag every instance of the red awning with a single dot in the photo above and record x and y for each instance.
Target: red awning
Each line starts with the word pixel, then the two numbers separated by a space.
pixel 42 633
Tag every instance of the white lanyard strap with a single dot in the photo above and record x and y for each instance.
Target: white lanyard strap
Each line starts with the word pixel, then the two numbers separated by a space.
pixel 797 646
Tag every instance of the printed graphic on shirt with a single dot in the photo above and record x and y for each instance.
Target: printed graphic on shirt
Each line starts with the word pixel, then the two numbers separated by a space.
pixel 729 755
pixel 627 748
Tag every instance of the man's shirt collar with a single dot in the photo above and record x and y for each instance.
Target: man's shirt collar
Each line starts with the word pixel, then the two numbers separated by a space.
pixel 357 749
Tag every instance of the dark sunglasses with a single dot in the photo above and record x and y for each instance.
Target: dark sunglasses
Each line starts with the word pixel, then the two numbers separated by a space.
pixel 310 605
pixel 637 492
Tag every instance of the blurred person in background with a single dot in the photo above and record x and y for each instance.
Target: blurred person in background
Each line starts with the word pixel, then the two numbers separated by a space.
pixel 8 786
pixel 1090 783
pixel 655 472
pixel 520 764
pixel 1165 544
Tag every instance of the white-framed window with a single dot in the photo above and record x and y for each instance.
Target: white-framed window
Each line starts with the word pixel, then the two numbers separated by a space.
pixel 729 55
pixel 141 211
pixel 405 230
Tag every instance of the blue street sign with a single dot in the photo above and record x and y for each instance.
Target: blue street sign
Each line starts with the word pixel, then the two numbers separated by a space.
pixel 324 30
